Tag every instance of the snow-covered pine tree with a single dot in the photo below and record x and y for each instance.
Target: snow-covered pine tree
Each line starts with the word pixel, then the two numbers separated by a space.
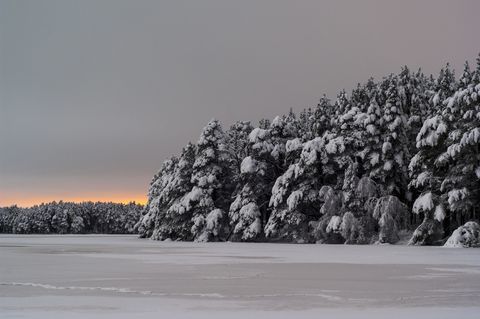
pixel 476 74
pixel 372 135
pixel 427 167
pixel 328 229
pixel 282 129
pixel 208 199
pixel 362 95
pixel 394 152
pixel 249 207
pixel 349 140
pixel 357 223
pixel 445 86
pixel 350 181
pixel 323 117
pixel 157 201
pixel 465 236
pixel 466 78
pixel 415 92
pixel 392 215
pixel 426 174
pixel 272 149
pixel 342 105
pixel 173 221
pixel 365 199
pixel 461 185
pixel 294 197
pixel 237 147
pixel 249 211
pixel 296 200
pixel 430 231
pixel 60 221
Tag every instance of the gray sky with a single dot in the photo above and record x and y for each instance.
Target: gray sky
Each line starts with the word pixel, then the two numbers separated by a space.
pixel 94 95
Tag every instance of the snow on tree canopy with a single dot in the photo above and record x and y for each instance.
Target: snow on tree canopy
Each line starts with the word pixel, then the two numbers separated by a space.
pixel 210 133
pixel 471 137
pixel 456 195
pixel 415 162
pixel 439 213
pixel 293 145
pixel 250 224
pixel 465 236
pixel 294 198
pixel 257 135
pixel 387 146
pixel 280 187
pixel 371 129
pixel 213 221
pixel 249 165
pixel 260 140
pixel 366 188
pixel 374 158
pixel 431 131
pixel 387 166
pixel 422 179
pixel 334 224
pixel 424 203
pixel 336 145
pixel 310 150
pixel 391 215
pixel 277 121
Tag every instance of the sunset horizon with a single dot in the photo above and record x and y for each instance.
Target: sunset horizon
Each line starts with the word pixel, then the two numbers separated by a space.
pixel 25 202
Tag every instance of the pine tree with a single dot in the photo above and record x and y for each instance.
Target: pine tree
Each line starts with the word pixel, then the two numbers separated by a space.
pixel 269 156
pixel 248 209
pixel 291 214
pixel 394 155
pixel 322 117
pixel 157 202
pixel 461 185
pixel 372 136
pixel 237 147
pixel 208 199
pixel 430 231
pixel 175 222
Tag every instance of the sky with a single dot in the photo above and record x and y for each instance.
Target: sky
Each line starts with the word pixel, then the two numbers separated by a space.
pixel 96 94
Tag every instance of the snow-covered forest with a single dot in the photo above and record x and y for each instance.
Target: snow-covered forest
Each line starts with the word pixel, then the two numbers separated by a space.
pixel 70 218
pixel 394 160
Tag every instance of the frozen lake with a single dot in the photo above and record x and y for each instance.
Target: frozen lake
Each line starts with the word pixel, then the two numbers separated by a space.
pixel 126 277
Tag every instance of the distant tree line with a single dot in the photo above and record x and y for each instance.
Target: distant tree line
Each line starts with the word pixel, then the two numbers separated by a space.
pixel 70 218
pixel 397 157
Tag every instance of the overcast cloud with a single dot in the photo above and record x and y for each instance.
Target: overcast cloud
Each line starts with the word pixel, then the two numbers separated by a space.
pixel 94 95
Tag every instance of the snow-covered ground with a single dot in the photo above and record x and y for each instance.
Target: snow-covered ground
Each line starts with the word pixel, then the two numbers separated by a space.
pixel 125 277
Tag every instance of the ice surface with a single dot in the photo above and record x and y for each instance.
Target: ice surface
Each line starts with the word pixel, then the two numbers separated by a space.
pixel 125 277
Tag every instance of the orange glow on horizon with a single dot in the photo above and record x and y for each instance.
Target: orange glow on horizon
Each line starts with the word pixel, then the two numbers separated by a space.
pixel 24 201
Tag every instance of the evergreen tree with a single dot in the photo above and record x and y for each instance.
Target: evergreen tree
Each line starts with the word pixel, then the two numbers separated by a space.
pixel 323 116
pixel 394 155
pixel 461 183
pixel 157 199
pixel 209 198
pixel 172 220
